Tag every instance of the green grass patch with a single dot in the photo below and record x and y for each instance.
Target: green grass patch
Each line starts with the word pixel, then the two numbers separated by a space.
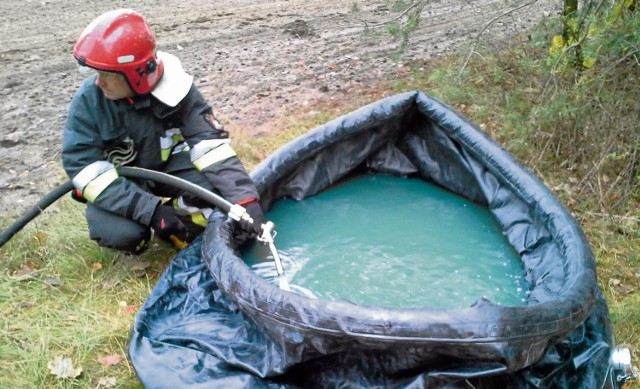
pixel 61 295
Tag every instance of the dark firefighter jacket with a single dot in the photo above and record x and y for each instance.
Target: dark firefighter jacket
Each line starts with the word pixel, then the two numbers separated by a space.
pixel 96 125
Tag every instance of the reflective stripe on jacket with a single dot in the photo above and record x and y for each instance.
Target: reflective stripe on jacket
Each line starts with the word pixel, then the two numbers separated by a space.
pixel 94 179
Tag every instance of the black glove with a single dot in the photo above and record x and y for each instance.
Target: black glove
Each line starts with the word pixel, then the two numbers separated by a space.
pixel 166 223
pixel 254 209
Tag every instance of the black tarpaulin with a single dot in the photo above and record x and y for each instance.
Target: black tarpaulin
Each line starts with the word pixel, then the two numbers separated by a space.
pixel 212 322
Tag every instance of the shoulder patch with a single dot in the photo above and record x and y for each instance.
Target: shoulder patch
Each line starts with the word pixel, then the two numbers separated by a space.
pixel 216 125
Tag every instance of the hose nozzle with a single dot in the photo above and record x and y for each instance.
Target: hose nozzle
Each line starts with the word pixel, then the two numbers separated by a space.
pixel 266 236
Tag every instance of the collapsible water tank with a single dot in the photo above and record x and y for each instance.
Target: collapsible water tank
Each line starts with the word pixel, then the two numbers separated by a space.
pixel 231 326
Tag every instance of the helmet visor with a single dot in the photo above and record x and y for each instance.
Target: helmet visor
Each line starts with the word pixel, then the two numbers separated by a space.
pixel 102 74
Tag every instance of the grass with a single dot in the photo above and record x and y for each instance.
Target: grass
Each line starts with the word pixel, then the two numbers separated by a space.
pixel 69 298
pixel 77 300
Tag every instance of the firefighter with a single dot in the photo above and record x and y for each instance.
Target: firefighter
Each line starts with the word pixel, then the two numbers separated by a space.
pixel 140 108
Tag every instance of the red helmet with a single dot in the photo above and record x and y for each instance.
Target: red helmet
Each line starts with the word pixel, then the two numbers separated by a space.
pixel 121 41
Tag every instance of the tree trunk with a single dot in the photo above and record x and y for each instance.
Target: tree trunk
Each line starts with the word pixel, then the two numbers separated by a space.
pixel 570 13
pixel 571 29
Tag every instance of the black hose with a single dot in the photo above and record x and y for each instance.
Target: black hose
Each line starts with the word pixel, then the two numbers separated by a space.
pixel 177 182
pixel 134 172
pixel 34 211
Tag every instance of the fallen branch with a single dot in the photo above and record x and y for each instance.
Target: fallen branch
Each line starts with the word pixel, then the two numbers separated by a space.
pixel 406 11
pixel 477 39
pixel 615 217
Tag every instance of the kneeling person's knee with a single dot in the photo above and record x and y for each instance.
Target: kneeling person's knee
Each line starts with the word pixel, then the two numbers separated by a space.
pixel 113 231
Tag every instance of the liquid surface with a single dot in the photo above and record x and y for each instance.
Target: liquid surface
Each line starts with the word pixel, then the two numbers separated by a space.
pixel 394 242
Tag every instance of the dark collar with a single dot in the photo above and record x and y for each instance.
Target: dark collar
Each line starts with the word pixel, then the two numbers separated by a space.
pixel 140 101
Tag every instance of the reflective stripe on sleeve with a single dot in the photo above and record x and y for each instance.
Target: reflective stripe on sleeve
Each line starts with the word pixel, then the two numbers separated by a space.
pixel 171 138
pixel 95 178
pixel 211 151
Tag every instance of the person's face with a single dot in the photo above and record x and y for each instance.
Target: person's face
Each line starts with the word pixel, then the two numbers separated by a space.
pixel 113 85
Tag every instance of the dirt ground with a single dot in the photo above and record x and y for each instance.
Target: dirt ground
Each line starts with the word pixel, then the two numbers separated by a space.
pixel 254 60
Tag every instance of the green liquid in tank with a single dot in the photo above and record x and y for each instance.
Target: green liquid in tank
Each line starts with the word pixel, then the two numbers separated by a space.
pixel 393 242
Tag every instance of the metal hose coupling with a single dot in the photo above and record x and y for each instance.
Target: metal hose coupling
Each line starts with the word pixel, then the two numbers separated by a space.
pixel 237 212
